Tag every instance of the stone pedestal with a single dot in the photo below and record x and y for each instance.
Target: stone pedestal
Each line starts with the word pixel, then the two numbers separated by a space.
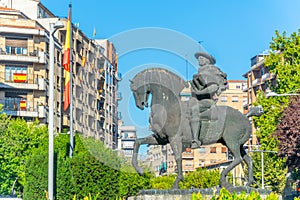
pixel 178 194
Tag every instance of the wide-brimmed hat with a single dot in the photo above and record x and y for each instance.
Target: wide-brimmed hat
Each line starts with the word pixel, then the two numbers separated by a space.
pixel 206 55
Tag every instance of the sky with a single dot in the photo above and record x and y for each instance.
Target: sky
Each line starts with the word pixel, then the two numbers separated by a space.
pixel 164 33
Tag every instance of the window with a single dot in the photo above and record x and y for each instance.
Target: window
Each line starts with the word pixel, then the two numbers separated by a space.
pixel 202 150
pixel 213 149
pixel 58 57
pixel 235 99
pixel 188 150
pixel 224 150
pixel 15 73
pixel 237 87
pixel 16 45
pixel 224 99
pixel 262 71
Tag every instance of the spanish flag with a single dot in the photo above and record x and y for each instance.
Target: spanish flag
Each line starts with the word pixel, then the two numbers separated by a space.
pixel 66 63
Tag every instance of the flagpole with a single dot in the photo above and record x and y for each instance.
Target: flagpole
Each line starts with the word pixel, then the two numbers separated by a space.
pixel 71 85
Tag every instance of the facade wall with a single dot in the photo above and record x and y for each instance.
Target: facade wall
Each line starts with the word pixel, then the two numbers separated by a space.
pixel 258 79
pixel 24 70
pixel 95 72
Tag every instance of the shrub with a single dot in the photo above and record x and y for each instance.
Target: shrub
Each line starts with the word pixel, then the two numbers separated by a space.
pixel 162 182
pixel 202 178
pixel 83 175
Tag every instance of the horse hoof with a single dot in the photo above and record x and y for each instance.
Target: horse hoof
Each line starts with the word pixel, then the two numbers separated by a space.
pixel 251 183
pixel 140 172
pixel 175 186
pixel 227 186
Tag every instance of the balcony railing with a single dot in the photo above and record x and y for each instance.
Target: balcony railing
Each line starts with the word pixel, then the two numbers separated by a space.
pixel 256 82
pixel 119 77
pixel 245 88
pixel 186 155
pixel 265 76
pixel 23 108
pixel 23 56
pixel 22 81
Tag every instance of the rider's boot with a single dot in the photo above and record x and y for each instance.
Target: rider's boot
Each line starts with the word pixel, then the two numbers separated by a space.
pixel 195 128
pixel 204 129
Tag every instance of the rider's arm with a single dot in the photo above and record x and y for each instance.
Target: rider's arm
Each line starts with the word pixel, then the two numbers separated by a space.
pixel 211 89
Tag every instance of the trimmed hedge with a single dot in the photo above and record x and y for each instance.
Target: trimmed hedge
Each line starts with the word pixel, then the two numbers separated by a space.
pixel 85 174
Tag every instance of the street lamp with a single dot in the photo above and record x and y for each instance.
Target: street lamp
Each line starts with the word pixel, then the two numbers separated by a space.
pixel 271 94
pixel 53 28
pixel 274 94
pixel 262 164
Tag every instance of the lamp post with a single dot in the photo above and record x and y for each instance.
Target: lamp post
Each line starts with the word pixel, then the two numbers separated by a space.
pixel 53 28
pixel 262 165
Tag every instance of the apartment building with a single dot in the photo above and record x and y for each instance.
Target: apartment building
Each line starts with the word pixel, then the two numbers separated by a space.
pixel 24 58
pixel 126 139
pixel 25 42
pixel 258 79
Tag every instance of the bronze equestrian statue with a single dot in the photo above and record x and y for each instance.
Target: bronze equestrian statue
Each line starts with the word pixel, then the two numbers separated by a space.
pixel 195 122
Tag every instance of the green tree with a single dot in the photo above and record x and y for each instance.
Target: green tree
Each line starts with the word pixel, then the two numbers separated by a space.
pixel 284 62
pixel 17 142
pixel 288 134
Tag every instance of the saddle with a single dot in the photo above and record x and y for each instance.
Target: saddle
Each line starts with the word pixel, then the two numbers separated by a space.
pixel 212 124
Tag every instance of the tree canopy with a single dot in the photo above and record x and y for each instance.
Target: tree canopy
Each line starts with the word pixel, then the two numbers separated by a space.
pixel 288 133
pixel 284 63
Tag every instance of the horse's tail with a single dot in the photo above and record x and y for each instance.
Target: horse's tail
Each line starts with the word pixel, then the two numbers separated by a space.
pixel 255 111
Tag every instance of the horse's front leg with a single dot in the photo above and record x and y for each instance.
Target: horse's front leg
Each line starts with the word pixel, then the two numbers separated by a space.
pixel 138 142
pixel 176 144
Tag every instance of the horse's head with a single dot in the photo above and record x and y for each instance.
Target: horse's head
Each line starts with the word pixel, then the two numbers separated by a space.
pixel 140 95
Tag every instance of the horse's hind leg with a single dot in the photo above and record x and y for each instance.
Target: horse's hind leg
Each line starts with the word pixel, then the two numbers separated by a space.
pixel 139 141
pixel 176 144
pixel 235 150
pixel 249 163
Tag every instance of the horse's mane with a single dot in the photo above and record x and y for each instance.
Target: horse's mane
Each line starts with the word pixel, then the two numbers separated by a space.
pixel 159 76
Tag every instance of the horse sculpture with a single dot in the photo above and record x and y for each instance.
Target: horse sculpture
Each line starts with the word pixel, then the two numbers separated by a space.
pixel 169 121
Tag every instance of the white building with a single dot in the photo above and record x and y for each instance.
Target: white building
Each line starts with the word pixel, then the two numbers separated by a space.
pixel 126 139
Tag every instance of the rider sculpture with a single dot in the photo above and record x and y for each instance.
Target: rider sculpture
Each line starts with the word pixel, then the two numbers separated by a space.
pixel 206 86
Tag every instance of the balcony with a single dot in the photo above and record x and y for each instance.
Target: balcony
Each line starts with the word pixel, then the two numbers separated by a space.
pixel 22 81
pixel 100 115
pixel 188 168
pixel 101 94
pixel 119 77
pixel 23 108
pixel 256 82
pixel 187 155
pixel 119 96
pixel 265 77
pixel 245 88
pixel 78 58
pixel 23 56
